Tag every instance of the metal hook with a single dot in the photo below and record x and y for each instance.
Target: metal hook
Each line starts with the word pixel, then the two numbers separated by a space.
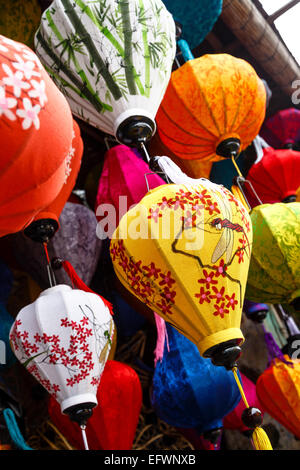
pixel 239 180
pixel 111 139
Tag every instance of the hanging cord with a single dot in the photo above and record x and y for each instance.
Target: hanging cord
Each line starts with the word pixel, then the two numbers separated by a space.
pixel 84 438
pixel 14 430
pixel 260 439
pixel 51 276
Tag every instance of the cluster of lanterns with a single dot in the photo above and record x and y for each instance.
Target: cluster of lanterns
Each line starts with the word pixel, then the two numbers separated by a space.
pixel 111 68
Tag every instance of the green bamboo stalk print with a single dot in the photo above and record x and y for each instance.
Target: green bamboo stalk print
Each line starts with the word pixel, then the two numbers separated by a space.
pixel 146 49
pixel 104 30
pixel 84 92
pixel 83 33
pixel 78 68
pixel 127 30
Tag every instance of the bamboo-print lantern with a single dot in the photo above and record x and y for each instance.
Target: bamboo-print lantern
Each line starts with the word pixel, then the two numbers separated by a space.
pixel 213 108
pixel 63 339
pixel 274 272
pixel 184 251
pixel 188 391
pixel 283 129
pixel 275 178
pixel 35 121
pixel 197 20
pixel 113 61
pixel 113 423
pixel 278 391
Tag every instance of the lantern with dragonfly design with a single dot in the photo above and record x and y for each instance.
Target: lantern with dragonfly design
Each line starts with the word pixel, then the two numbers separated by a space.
pixel 112 60
pixel 184 251
pixel 63 339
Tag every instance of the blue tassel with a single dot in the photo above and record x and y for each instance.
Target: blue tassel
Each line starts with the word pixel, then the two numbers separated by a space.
pixel 14 430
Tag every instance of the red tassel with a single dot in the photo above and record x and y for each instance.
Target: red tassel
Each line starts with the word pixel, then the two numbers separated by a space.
pixel 77 282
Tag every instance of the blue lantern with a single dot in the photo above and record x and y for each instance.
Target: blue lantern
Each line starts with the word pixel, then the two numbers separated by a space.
pixel 189 391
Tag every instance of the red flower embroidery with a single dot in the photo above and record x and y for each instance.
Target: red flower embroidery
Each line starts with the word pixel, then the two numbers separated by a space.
pixel 64 322
pixel 208 279
pixel 168 295
pixel 203 296
pixel 221 269
pixel 189 220
pixel 212 207
pixel 240 255
pixel 152 271
pixel 166 279
pixel 232 302
pixel 154 214
pixel 218 294
pixel 220 310
pixel 164 307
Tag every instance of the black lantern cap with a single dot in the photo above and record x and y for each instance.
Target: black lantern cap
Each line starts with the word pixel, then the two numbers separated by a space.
pixel 225 354
pixel 80 413
pixel 42 230
pixel 229 148
pixel 135 130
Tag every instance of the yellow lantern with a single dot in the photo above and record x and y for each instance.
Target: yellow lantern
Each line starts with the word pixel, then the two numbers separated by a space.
pixel 184 251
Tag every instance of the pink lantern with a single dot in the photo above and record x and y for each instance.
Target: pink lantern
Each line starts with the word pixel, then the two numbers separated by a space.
pixel 63 339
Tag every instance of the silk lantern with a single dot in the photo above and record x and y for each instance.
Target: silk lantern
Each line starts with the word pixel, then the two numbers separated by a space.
pixel 168 251
pixel 123 181
pixel 256 312
pixel 114 421
pixel 275 178
pixel 113 62
pixel 75 241
pixel 233 420
pixel 188 391
pixel 283 129
pixel 274 272
pixel 203 116
pixel 278 391
pixel 35 121
pixel 63 339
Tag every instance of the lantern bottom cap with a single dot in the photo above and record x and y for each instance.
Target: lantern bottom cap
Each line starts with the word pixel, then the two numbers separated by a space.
pixel 78 400
pixel 214 340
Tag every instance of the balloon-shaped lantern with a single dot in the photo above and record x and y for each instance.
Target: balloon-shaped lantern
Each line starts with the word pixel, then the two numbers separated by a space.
pixel 234 419
pixel 184 251
pixel 213 108
pixel 113 423
pixel 274 272
pixel 63 339
pixel 197 20
pixel 36 121
pixel 75 241
pixel 45 224
pixel 113 62
pixel 283 129
pixel 275 178
pixel 124 181
pixel 278 391
pixel 256 312
pixel 188 391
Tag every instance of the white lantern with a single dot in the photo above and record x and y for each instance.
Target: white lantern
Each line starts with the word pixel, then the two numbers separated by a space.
pixel 112 59
pixel 63 339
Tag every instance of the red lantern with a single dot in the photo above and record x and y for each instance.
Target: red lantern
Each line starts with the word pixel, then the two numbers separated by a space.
pixel 36 128
pixel 114 421
pixel 283 129
pixel 276 177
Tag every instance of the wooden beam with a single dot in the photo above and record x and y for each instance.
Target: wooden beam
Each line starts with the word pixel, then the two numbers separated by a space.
pixel 257 36
pixel 282 10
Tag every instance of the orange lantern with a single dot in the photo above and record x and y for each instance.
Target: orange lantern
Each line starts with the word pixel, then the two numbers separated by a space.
pixel 278 390
pixel 36 127
pixel 213 108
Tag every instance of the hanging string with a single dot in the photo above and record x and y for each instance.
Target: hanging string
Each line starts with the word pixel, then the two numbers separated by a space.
pixel 14 430
pixel 51 277
pixel 260 439
pixel 84 438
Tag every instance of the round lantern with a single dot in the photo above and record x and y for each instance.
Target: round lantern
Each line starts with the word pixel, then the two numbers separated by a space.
pixel 274 272
pixel 283 129
pixel 275 178
pixel 213 108
pixel 63 339
pixel 168 251
pixel 113 63
pixel 188 391
pixel 114 421
pixel 36 121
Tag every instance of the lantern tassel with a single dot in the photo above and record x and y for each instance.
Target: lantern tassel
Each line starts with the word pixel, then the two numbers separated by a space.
pixel 77 282
pixel 259 437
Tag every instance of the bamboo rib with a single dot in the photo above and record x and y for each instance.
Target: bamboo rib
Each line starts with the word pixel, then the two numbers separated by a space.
pixel 254 32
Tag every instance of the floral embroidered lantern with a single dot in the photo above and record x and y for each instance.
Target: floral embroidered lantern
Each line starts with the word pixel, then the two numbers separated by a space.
pixel 184 251
pixel 274 272
pixel 204 117
pixel 112 61
pixel 113 423
pixel 36 121
pixel 63 339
